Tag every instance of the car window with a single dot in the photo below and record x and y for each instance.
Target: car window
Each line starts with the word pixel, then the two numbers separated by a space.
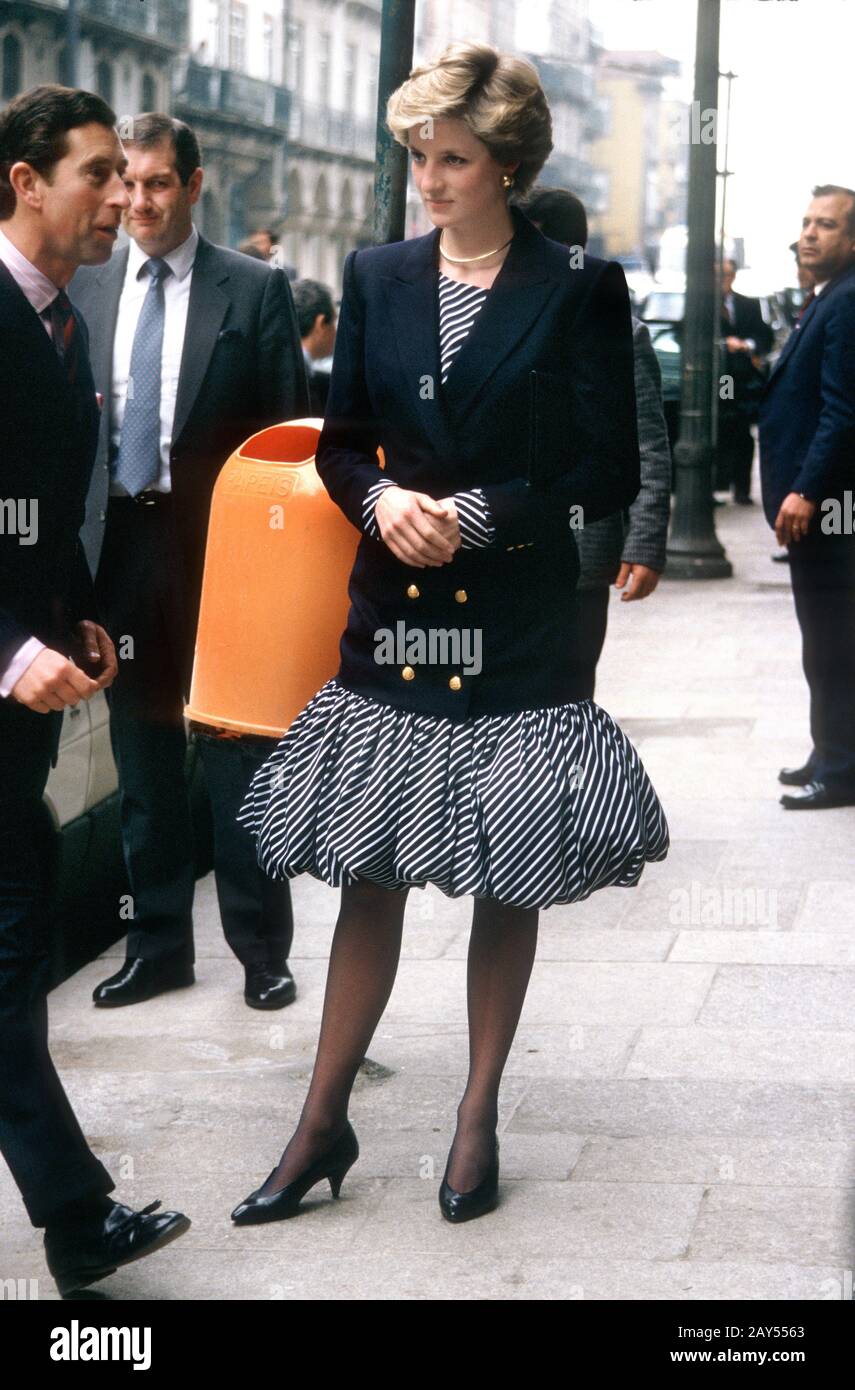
pixel 663 307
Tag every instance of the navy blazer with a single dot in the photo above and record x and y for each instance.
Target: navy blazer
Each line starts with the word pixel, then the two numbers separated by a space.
pixel 46 455
pixel 538 410
pixel 807 414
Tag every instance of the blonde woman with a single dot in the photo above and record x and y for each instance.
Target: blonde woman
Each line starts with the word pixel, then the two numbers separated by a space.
pixel 496 370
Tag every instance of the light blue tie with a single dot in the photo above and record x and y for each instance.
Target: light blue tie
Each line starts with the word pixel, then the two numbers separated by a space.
pixel 138 459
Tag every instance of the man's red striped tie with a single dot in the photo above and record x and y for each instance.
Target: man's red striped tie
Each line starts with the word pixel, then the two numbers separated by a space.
pixel 66 335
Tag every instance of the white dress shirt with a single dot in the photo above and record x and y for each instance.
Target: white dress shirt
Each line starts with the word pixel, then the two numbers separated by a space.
pixel 40 292
pixel 176 301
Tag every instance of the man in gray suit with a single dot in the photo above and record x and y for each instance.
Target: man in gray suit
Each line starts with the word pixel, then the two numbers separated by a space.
pixel 625 550
pixel 194 348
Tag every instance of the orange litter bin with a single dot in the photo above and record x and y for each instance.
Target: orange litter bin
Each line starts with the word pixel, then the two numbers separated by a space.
pixel 274 591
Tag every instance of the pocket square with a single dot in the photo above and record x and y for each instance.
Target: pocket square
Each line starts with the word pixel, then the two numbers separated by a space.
pixel 228 333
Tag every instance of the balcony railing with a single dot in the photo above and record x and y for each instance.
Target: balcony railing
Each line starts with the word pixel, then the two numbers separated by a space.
pixel 161 19
pixel 234 94
pixel 321 127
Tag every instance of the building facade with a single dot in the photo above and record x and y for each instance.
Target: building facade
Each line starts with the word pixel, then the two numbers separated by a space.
pixel 331 62
pixel 124 51
pixel 632 152
pixel 228 87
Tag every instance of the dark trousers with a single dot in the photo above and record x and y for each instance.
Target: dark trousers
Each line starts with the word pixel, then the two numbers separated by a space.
pixel 139 589
pixel 822 571
pixel 592 615
pixel 734 453
pixel 40 1137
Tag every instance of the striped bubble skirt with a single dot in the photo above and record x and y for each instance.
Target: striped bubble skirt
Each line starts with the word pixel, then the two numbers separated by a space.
pixel 532 808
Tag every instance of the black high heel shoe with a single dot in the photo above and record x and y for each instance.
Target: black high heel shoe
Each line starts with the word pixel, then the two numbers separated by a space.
pixel 464 1206
pixel 276 1206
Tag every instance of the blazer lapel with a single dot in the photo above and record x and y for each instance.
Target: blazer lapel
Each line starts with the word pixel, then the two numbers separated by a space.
pixel 792 342
pixel 28 332
pixel 516 298
pixel 797 333
pixel 414 312
pixel 102 329
pixel 205 313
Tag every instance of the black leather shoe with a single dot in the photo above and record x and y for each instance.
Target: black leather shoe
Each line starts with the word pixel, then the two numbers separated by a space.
pixel 333 1164
pixel 796 776
pixel 267 988
pixel 94 1250
pixel 464 1206
pixel 141 979
pixel 742 499
pixel 816 796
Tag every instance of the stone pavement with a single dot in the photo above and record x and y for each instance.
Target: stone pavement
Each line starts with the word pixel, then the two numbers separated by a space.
pixel 677 1111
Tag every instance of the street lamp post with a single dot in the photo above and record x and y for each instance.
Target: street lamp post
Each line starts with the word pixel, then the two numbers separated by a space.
pixel 390 168
pixel 694 550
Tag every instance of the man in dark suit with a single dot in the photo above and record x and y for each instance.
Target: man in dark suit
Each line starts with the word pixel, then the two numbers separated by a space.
pixel 807 465
pixel 61 197
pixel 316 319
pixel 194 348
pixel 747 339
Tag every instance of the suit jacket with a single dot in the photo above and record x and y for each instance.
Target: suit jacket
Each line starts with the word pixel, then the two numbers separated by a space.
pixel 49 433
pixel 639 536
pixel 749 323
pixel 807 414
pixel 241 370
pixel 538 411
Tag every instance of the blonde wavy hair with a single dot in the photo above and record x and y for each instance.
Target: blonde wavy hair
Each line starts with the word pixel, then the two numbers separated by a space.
pixel 498 95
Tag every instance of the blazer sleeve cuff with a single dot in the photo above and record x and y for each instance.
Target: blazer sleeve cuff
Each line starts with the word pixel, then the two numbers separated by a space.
pixel 369 523
pixel 474 519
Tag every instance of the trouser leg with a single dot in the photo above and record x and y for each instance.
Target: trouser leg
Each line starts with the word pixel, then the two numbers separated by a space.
pixel 255 910
pixel 822 570
pixel 139 589
pixel 742 457
pixel 157 833
pixel 40 1137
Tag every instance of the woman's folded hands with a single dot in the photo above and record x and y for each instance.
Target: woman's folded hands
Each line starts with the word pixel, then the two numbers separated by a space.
pixel 417 529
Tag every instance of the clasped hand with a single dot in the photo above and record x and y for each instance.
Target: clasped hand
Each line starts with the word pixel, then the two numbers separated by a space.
pixel 417 529
pixel 53 681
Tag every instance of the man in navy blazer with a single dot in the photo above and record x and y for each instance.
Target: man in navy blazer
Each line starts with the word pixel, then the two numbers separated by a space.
pixel 61 197
pixel 807 467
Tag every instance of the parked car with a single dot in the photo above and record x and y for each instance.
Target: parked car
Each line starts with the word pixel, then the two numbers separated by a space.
pixel 662 308
pixel 663 311
pixel 638 277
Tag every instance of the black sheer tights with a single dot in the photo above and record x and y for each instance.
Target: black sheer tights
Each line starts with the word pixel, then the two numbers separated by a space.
pixel 363 964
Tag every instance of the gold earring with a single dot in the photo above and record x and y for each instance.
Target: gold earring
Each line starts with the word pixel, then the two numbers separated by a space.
pixel 507 181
